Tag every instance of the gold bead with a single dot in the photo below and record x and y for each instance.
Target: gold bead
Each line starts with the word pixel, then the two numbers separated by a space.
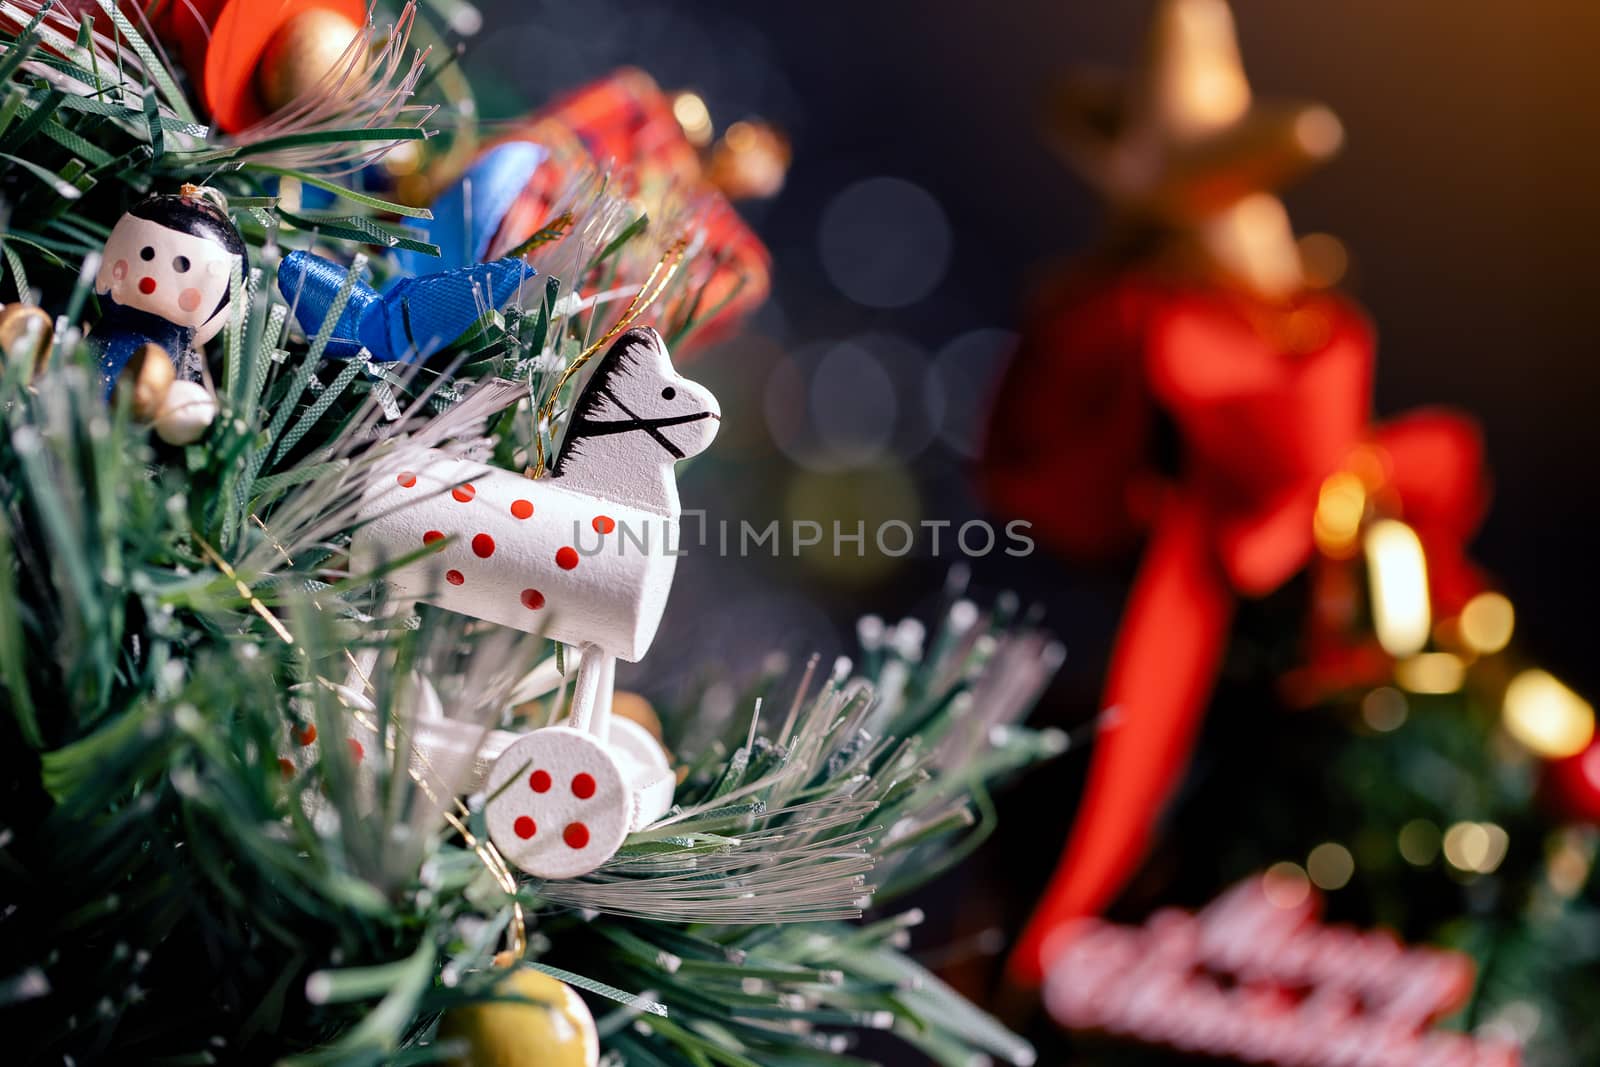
pixel 301 53
pixel 556 1030
pixel 148 376
pixel 26 333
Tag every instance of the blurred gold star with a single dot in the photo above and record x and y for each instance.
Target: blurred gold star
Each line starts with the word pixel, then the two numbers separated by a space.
pixel 1182 146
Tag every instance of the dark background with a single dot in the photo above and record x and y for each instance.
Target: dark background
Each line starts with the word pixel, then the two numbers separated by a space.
pixel 1466 196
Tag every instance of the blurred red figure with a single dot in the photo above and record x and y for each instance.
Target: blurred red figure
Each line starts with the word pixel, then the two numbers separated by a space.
pixel 1265 401
pixel 626 124
pixel 1199 385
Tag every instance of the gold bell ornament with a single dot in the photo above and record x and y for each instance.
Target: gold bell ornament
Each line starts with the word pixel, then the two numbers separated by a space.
pixel 549 1027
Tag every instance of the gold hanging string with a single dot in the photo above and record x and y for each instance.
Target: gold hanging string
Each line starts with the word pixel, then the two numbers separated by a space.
pixel 654 285
pixel 245 591
pixel 486 851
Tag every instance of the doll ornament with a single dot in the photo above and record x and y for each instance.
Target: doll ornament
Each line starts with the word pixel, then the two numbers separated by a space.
pixel 584 556
pixel 165 277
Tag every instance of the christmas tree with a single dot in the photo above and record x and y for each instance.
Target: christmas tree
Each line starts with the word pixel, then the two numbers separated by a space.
pixel 244 817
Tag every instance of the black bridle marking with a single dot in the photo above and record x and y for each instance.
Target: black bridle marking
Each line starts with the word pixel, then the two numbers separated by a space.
pixel 604 427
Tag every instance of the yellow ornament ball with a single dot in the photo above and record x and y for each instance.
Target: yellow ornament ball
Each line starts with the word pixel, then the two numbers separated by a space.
pixel 556 1030
pixel 637 709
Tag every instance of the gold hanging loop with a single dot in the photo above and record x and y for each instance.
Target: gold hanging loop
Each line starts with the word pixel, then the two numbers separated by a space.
pixel 660 277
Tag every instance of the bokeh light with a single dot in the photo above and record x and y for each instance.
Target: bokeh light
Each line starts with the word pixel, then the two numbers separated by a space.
pixel 1512 1023
pixel 1399 575
pixel 852 403
pixel 1330 865
pixel 1487 622
pixel 1570 855
pixel 695 118
pixel 1475 847
pixel 869 501
pixel 1384 709
pixel 1341 504
pixel 1466 846
pixel 1419 842
pixel 1286 885
pixel 1324 259
pixel 957 393
pixel 1432 672
pixel 884 242
pixel 1546 717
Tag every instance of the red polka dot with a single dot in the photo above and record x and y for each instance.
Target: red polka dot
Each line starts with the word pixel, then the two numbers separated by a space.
pixel 539 781
pixel 306 734
pixel 566 557
pixel 464 493
pixel 522 509
pixel 431 536
pixel 583 786
pixel 286 768
pixel 525 827
pixel 604 524
pixel 454 577
pixel 483 546
pixel 532 599
pixel 357 751
pixel 576 835
pixel 406 479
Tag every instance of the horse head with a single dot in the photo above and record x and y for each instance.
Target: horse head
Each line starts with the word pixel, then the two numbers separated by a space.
pixel 634 418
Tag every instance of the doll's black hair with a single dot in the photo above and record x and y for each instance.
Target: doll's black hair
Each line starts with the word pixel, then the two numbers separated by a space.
pixel 195 216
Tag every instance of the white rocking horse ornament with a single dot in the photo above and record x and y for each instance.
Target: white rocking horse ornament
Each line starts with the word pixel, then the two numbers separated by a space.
pixel 585 557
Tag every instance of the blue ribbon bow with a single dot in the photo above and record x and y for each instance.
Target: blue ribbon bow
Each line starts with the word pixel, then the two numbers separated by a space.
pixel 416 316
pixel 411 320
pixel 468 214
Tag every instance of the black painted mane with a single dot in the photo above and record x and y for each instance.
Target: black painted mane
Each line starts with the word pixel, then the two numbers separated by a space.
pixel 618 363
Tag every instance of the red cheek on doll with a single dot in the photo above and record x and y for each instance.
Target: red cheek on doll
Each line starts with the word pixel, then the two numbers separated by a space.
pixel 147 285
pixel 119 270
pixel 189 299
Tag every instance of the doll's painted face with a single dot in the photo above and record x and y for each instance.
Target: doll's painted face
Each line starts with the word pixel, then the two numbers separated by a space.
pixel 178 276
